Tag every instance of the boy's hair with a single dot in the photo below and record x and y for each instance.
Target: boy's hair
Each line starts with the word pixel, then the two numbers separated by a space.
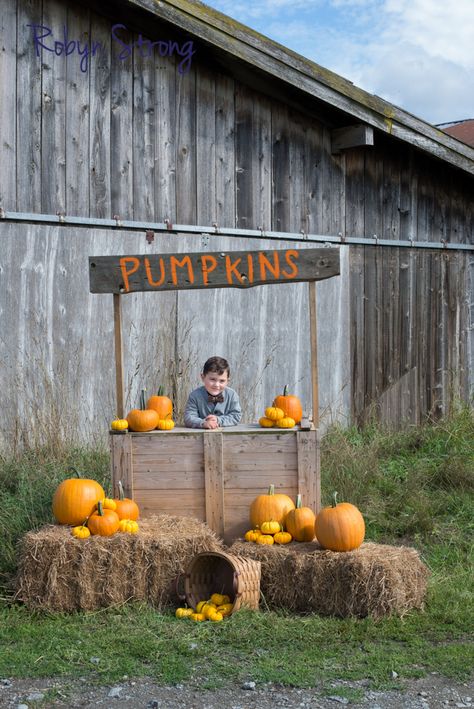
pixel 216 364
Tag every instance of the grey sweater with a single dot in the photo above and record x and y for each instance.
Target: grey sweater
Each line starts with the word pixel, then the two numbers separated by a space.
pixel 198 407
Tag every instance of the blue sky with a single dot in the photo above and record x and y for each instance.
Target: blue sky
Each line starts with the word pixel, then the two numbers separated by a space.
pixel 417 54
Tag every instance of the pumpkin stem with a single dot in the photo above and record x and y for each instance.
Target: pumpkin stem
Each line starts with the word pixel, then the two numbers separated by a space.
pixel 100 509
pixel 298 502
pixel 334 499
pixel 142 399
pixel 285 390
pixel 121 493
pixel 160 391
pixel 74 470
pixel 271 490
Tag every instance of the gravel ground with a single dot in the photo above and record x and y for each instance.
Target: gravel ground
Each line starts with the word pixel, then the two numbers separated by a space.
pixel 432 692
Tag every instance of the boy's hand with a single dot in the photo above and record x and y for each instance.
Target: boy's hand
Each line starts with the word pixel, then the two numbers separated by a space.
pixel 211 422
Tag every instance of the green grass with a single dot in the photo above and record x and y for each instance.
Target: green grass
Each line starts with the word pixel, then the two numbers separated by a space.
pixel 414 487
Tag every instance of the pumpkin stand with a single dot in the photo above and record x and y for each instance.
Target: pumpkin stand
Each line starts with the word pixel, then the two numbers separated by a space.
pixel 374 580
pixel 59 573
pixel 214 473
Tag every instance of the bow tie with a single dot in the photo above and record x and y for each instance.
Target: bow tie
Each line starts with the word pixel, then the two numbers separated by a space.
pixel 215 399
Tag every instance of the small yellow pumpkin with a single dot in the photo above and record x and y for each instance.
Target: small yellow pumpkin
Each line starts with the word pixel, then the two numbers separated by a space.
pixel 286 422
pixel 184 612
pixel 81 532
pixel 219 599
pixel 166 424
pixel 119 424
pixel 252 535
pixel 274 413
pixel 208 609
pixel 265 422
pixel 130 526
pixel 200 606
pixel 215 616
pixel 265 539
pixel 282 538
pixel 270 527
pixel 197 617
pixel 225 609
pixel 109 504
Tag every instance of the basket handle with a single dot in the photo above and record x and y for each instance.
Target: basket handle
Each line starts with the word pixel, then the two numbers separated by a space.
pixel 236 584
pixel 178 580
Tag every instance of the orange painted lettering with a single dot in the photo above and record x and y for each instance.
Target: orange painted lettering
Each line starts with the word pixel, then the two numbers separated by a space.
pixel 265 265
pixel 174 263
pixel 126 272
pixel 149 275
pixel 206 270
pixel 294 267
pixel 231 268
pixel 250 269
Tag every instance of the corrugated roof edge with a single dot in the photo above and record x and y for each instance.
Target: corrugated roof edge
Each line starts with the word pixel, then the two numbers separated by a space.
pixel 238 40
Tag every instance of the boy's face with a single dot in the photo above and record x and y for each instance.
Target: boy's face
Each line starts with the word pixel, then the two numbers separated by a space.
pixel 214 382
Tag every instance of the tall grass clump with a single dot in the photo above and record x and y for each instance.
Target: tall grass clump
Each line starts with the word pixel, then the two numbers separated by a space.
pixel 27 484
pixel 414 487
pixel 413 484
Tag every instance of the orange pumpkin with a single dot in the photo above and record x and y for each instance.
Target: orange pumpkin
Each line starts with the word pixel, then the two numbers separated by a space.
pixel 142 419
pixel 125 507
pixel 103 522
pixel 270 506
pixel 75 499
pixel 340 527
pixel 161 404
pixel 300 522
pixel 290 405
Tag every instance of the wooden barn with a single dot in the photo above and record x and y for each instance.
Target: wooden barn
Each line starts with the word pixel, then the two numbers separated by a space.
pixel 150 127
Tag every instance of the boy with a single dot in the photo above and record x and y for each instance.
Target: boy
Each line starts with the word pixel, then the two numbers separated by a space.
pixel 214 404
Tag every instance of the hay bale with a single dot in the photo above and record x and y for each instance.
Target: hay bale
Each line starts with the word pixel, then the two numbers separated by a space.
pixel 375 580
pixel 57 572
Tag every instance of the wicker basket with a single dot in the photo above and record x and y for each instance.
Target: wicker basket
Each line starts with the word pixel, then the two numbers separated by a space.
pixel 217 572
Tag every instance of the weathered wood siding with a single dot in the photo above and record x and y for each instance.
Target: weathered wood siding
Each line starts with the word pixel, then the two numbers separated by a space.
pixel 137 139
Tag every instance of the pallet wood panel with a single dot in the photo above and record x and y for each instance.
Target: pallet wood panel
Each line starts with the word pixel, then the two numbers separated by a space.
pixel 215 475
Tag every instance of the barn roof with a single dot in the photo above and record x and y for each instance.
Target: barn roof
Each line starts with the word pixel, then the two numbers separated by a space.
pixel 244 47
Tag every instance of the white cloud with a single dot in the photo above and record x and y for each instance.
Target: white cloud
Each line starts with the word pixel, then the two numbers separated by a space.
pixel 416 54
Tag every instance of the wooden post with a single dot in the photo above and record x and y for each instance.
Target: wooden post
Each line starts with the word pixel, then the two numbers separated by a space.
pixel 214 481
pixel 314 351
pixel 118 356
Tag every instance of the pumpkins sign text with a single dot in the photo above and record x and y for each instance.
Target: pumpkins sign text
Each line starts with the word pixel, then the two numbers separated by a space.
pixel 233 269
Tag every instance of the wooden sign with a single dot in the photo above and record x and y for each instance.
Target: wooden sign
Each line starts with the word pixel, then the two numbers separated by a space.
pixel 218 269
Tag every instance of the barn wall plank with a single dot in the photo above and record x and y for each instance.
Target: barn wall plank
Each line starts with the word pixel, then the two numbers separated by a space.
pixel 121 132
pixel 143 139
pixel 99 125
pixel 53 129
pixel 28 110
pixel 77 119
pixel 8 96
pixel 225 152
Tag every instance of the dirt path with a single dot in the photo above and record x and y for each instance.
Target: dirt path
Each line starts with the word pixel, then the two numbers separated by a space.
pixel 432 692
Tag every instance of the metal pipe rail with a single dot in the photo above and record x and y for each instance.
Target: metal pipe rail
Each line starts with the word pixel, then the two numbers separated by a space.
pixel 167 227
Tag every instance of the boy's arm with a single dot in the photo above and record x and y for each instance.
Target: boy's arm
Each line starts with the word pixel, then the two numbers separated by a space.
pixel 192 419
pixel 233 416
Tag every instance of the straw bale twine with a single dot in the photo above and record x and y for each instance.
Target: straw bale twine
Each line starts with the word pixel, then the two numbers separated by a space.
pixel 57 572
pixel 375 580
